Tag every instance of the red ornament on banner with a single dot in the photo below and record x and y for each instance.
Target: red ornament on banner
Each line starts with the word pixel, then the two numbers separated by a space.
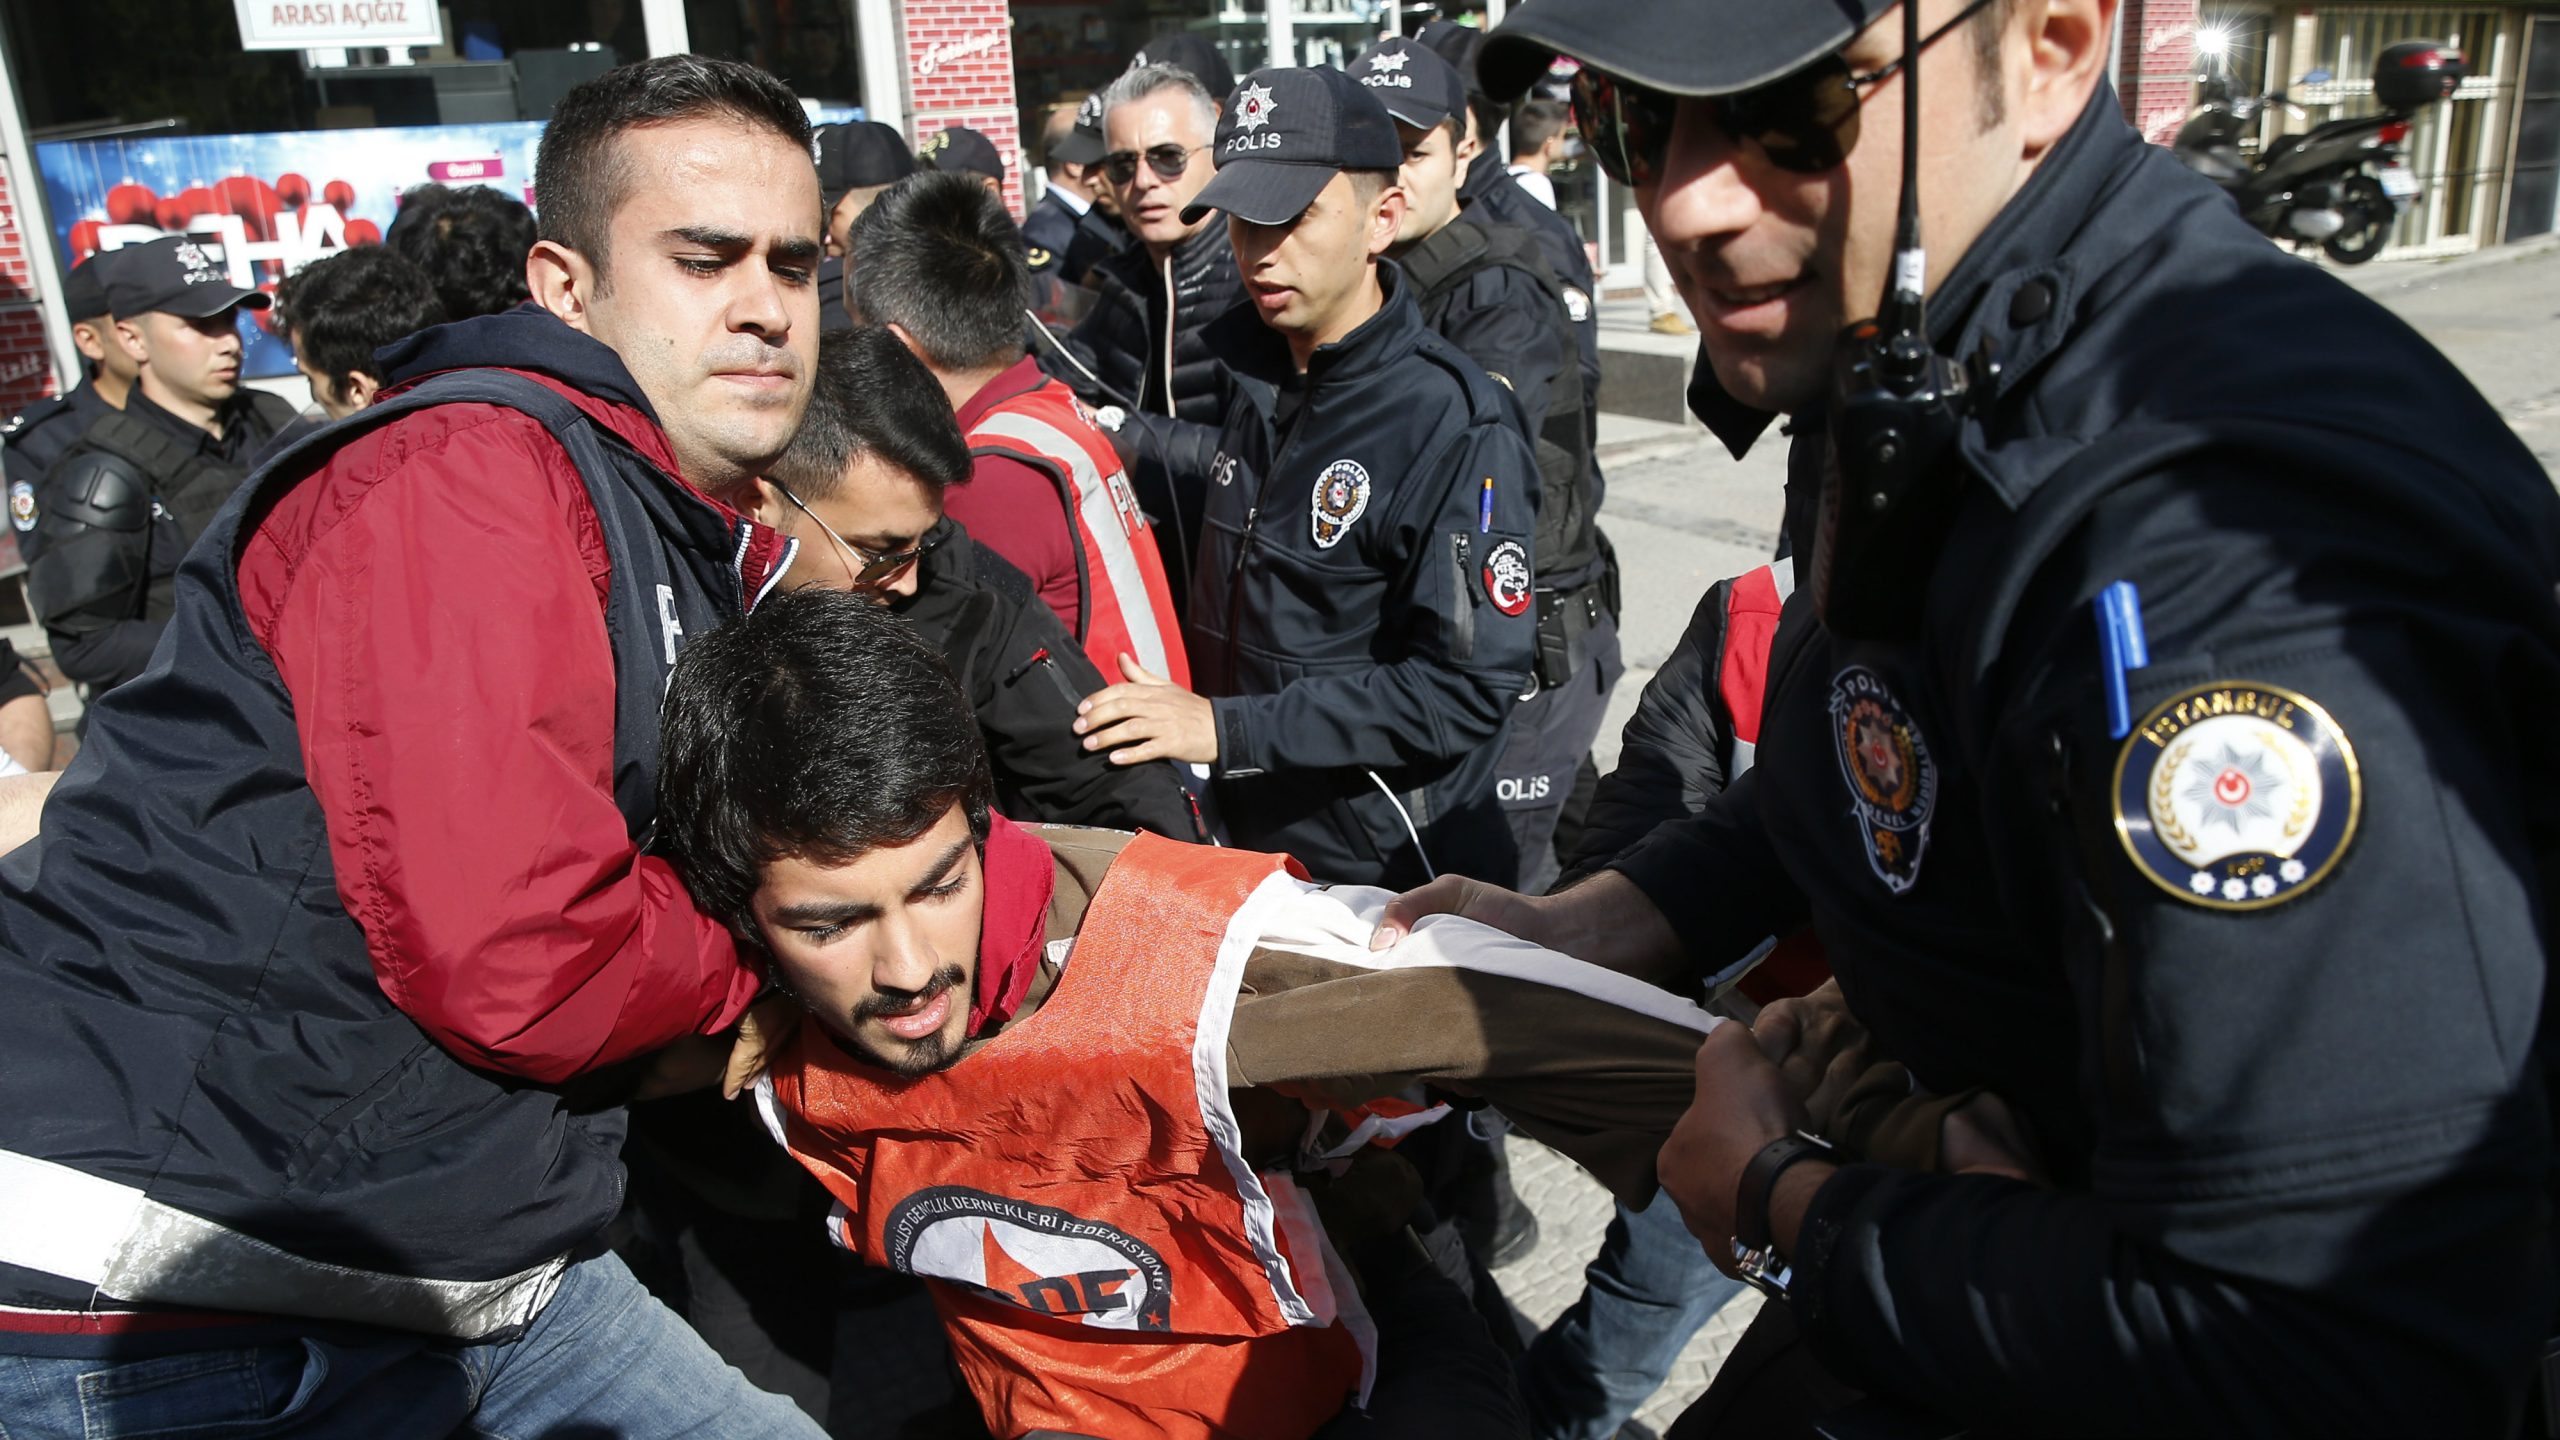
pixel 171 213
pixel 340 194
pixel 363 232
pixel 196 200
pixel 267 317
pixel 293 190
pixel 252 199
pixel 131 204
pixel 84 239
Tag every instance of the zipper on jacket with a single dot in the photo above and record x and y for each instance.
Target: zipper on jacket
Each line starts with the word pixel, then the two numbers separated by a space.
pixel 1462 615
pixel 1170 301
pixel 1041 660
pixel 1244 549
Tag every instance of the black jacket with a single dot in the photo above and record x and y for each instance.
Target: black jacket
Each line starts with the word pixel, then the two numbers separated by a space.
pixel 1066 245
pixel 1025 676
pixel 1680 748
pixel 1485 288
pixel 1145 349
pixel 32 441
pixel 115 513
pixel 1490 193
pixel 1362 627
pixel 2275 1019
pixel 196 1016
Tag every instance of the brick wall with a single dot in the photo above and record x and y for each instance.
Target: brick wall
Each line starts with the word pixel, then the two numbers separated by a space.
pixel 26 362
pixel 2158 65
pixel 960 72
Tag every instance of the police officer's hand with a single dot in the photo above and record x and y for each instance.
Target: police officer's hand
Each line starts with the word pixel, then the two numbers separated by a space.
pixel 1818 1045
pixel 1742 1103
pixel 1985 1138
pixel 1149 718
pixel 1605 920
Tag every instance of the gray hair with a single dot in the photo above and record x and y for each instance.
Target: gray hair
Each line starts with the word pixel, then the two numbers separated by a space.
pixel 1146 80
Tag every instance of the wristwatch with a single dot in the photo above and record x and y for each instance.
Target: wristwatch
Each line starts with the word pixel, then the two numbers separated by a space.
pixel 1755 1254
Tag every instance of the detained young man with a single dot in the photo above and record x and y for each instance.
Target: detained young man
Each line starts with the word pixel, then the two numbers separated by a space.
pixel 1042 1068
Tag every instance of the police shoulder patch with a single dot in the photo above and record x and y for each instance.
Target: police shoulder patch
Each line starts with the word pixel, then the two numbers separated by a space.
pixel 22 504
pixel 2236 795
pixel 1342 496
pixel 1893 781
pixel 1506 577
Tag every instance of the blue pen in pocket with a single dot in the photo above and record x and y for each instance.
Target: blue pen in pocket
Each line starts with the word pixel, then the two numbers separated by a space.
pixel 1484 508
pixel 2121 650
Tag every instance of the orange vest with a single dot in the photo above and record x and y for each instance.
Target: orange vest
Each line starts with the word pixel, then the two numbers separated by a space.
pixel 1105 1260
pixel 1126 603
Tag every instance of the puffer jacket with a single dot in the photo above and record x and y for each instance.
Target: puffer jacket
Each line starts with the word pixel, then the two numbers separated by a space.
pixel 1144 349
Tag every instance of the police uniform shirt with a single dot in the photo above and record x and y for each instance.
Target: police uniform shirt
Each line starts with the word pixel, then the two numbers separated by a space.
pixel 245 427
pixel 2259 953
pixel 37 438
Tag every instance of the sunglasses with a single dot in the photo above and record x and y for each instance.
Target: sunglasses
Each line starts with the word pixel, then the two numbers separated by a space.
pixel 869 570
pixel 1168 161
pixel 1806 121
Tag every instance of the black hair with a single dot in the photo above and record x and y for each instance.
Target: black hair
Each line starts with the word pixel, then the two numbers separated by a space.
pixel 1535 122
pixel 1368 185
pixel 579 172
pixel 1488 117
pixel 938 256
pixel 872 396
pixel 819 726
pixel 471 242
pixel 341 309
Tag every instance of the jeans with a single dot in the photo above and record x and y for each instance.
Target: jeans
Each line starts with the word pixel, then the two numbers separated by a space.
pixel 1646 1292
pixel 604 1361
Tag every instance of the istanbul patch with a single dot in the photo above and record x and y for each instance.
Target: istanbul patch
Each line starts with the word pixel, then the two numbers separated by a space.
pixel 1342 496
pixel 1506 578
pixel 22 505
pixel 2236 795
pixel 1893 784
pixel 1032 1256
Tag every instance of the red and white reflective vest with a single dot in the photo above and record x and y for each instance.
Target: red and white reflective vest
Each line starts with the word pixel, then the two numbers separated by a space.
pixel 1125 602
pixel 1104 1258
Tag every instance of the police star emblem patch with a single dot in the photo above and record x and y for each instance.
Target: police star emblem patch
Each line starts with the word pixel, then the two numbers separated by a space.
pixel 1254 107
pixel 1342 496
pixel 22 505
pixel 2236 795
pixel 1893 783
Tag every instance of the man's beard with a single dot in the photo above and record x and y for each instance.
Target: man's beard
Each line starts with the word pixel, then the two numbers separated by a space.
pixel 920 1057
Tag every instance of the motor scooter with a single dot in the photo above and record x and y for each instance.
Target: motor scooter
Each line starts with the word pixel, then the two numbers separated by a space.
pixel 2339 185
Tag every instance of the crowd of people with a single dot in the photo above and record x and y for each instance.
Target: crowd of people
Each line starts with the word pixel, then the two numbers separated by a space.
pixel 796 808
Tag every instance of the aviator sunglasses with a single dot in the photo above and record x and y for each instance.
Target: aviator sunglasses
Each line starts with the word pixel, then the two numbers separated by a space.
pixel 1168 161
pixel 1806 121
pixel 868 570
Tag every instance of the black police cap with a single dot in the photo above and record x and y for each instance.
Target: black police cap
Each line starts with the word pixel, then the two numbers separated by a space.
pixel 1681 47
pixel 84 290
pixel 859 155
pixel 1193 54
pixel 961 148
pixel 1082 145
pixel 173 274
pixel 1285 135
pixel 1416 85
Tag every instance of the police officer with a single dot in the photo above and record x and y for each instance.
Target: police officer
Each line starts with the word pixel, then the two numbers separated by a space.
pixel 2156 744
pixel 42 431
pixel 856 161
pixel 1361 606
pixel 1073 226
pixel 1485 288
pixel 1489 192
pixel 118 509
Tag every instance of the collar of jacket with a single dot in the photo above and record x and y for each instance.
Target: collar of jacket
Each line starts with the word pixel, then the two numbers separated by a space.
pixel 1256 352
pixel 2044 235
